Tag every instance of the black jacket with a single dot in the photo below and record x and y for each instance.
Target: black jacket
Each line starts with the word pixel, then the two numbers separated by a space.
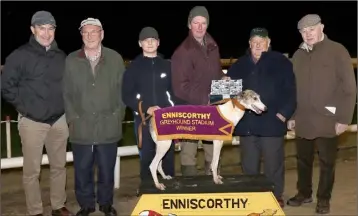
pixel 150 78
pixel 31 81
pixel 273 79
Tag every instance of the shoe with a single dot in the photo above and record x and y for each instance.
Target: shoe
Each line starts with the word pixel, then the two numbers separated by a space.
pixel 281 202
pixel 108 210
pixel 298 200
pixel 85 211
pixel 62 212
pixel 323 207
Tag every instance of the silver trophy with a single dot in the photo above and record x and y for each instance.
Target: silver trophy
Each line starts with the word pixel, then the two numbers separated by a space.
pixel 226 87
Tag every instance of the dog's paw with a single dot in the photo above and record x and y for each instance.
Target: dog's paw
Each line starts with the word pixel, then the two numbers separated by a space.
pixel 220 177
pixel 218 180
pixel 167 177
pixel 160 186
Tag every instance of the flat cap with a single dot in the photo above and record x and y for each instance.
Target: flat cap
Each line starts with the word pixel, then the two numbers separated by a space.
pixel 308 20
pixel 43 18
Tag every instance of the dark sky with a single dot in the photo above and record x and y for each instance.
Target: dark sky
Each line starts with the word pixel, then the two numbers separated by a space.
pixel 230 23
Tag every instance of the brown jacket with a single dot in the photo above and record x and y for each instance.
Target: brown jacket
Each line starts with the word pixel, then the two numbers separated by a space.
pixel 325 78
pixel 193 69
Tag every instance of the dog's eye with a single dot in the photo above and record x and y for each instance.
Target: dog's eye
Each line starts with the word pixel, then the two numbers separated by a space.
pixel 255 98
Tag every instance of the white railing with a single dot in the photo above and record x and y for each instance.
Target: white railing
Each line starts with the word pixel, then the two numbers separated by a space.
pixel 17 162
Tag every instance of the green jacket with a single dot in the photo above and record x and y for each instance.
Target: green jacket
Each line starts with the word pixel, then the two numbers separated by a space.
pixel 93 104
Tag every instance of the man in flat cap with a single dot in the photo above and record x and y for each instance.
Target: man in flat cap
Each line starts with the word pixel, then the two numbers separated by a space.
pixel 195 63
pixel 94 111
pixel 326 95
pixel 265 134
pixel 31 81
pixel 148 79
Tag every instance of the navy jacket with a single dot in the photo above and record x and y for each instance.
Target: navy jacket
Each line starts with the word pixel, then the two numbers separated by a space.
pixel 151 79
pixel 272 77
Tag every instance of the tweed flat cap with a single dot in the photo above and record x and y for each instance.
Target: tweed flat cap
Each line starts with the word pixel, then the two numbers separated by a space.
pixel 308 20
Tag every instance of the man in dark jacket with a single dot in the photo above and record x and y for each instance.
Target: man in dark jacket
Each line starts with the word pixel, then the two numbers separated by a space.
pixel 271 75
pixel 32 82
pixel 95 111
pixel 148 79
pixel 195 63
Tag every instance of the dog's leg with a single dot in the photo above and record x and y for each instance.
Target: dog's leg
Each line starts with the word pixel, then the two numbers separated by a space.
pixel 161 171
pixel 218 144
pixel 162 148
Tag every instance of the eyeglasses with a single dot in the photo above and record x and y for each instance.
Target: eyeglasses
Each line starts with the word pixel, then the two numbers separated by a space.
pixel 92 33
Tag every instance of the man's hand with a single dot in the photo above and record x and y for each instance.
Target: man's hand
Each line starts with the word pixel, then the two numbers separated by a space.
pixel 340 128
pixel 281 117
pixel 152 109
pixel 226 78
pixel 291 124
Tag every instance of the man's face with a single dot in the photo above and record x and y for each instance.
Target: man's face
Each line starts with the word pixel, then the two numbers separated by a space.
pixel 92 36
pixel 259 45
pixel 44 34
pixel 313 34
pixel 149 45
pixel 198 27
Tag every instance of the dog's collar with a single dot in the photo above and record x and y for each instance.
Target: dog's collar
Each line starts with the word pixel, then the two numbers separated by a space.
pixel 237 104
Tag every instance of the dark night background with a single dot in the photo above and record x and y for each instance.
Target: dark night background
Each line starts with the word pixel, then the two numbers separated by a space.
pixel 230 23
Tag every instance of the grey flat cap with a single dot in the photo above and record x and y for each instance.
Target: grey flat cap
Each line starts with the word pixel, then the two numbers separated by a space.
pixel 308 20
pixel 43 18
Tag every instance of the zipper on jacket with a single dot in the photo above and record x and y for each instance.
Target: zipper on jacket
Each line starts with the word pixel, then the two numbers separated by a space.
pixel 153 79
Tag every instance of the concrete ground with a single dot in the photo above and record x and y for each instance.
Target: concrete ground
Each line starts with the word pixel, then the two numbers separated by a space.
pixel 344 201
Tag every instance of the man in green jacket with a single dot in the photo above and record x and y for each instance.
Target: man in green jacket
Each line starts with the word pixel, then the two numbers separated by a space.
pixel 326 97
pixel 94 111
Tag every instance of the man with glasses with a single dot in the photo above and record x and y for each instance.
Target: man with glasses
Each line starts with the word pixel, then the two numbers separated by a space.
pixel 31 81
pixel 94 111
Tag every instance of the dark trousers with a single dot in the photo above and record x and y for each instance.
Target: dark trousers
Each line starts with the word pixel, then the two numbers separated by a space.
pixel 272 151
pixel 327 153
pixel 136 124
pixel 147 153
pixel 84 159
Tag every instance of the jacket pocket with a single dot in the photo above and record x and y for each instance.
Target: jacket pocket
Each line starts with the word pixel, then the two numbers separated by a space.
pixel 110 126
pixel 80 129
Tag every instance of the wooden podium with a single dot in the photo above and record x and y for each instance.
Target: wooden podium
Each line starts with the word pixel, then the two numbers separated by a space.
pixel 184 196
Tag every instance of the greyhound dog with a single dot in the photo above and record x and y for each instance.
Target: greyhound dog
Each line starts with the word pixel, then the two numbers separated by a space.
pixel 232 110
